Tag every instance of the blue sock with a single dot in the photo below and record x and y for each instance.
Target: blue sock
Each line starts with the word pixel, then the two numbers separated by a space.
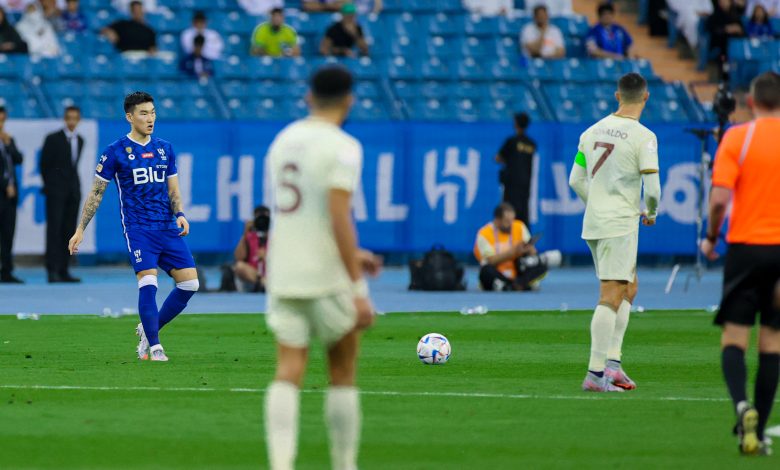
pixel 147 310
pixel 174 305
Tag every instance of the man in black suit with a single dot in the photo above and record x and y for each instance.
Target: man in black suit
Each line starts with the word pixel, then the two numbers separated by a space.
pixel 59 169
pixel 9 198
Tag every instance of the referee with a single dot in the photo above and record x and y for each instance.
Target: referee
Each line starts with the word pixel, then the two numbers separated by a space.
pixel 747 173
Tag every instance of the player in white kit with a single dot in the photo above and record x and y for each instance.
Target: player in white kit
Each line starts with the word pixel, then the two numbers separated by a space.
pixel 315 284
pixel 616 156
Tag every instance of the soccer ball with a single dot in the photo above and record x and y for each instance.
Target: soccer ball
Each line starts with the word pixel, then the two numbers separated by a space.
pixel 434 349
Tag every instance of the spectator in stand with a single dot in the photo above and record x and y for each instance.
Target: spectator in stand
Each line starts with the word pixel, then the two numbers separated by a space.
pixel 10 41
pixel 212 49
pixel 73 19
pixel 132 34
pixel 260 7
pixel 150 6
pixel 327 6
pixel 274 38
pixel 52 14
pixel 342 36
pixel 772 7
pixel 542 39
pixel 724 23
pixel 608 40
pixel 759 25
pixel 489 7
pixel 195 64
pixel 689 14
pixel 365 7
pixel 554 7
pixel 38 33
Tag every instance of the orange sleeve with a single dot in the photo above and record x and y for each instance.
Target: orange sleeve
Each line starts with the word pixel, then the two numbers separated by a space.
pixel 726 168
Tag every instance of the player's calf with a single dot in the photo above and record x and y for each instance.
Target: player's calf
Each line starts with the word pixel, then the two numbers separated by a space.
pixel 177 300
pixel 147 307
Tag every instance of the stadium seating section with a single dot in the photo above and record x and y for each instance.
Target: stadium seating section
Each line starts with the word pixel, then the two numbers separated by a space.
pixel 430 60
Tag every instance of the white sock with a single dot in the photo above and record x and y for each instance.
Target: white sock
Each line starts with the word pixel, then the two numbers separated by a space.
pixel 282 402
pixel 621 324
pixel 601 329
pixel 342 415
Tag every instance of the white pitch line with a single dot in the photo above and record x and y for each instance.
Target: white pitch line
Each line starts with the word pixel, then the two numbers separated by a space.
pixel 362 392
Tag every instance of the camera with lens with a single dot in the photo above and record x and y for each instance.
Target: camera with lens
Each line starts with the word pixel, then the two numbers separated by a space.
pixel 262 223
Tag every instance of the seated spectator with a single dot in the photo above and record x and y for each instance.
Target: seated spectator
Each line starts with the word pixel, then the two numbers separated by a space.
pixel 250 254
pixel 608 40
pixel 542 39
pixel 73 19
pixel 365 7
pixel 342 36
pixel 689 14
pixel 132 34
pixel 260 7
pixel 327 6
pixel 274 38
pixel 52 13
pixel 150 6
pixel 489 7
pixel 554 7
pixel 10 41
pixel 212 49
pixel 759 25
pixel 772 7
pixel 508 257
pixel 195 64
pixel 724 23
pixel 38 33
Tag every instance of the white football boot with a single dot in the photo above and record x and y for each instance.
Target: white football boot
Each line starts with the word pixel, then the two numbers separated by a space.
pixel 143 344
pixel 156 353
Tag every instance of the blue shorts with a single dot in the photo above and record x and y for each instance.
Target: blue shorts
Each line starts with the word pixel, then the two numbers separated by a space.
pixel 164 248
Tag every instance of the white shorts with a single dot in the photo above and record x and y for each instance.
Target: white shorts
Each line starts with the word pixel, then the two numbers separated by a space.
pixel 615 258
pixel 295 321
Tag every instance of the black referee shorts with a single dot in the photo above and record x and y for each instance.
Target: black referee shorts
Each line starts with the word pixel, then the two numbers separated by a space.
pixel 749 280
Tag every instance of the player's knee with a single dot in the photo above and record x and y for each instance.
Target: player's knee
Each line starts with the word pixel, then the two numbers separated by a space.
pixel 191 285
pixel 769 340
pixel 147 280
pixel 735 335
pixel 631 292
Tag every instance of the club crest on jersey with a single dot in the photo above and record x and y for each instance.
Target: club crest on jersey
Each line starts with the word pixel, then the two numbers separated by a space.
pixel 99 167
pixel 131 157
pixel 129 149
pixel 148 175
pixel 162 154
pixel 147 155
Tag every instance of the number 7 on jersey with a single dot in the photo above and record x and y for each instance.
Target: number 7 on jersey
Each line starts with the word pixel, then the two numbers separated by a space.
pixel 608 148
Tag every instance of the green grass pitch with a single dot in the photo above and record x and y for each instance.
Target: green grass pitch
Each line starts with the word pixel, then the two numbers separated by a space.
pixel 508 399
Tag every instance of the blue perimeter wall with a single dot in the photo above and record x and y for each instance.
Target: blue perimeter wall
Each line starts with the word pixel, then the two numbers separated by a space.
pixel 423 183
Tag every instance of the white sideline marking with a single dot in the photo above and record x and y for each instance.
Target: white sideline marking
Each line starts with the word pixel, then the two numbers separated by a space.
pixel 773 431
pixel 362 392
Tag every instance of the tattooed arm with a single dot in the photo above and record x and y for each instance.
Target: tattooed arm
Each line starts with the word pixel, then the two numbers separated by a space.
pixel 90 208
pixel 176 205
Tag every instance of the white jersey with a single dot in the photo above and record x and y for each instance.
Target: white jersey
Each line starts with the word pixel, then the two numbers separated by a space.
pixel 306 160
pixel 615 151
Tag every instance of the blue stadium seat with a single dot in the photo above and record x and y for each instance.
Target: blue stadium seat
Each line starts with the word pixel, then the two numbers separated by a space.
pixel 181 88
pixel 434 90
pixel 164 68
pixel 135 68
pixel 481 26
pixel 11 88
pixel 169 23
pixel 641 66
pixel 437 69
pixel 264 68
pixel 441 47
pixel 404 46
pixel 235 88
pixel 169 43
pixel 569 70
pixel 421 6
pixel 102 108
pixel 469 91
pixel 23 107
pixel 232 67
pixel 364 68
pixel 508 46
pixel 470 69
pixel 451 6
pixel 507 68
pixel 58 89
pixel 605 69
pixel 104 88
pixel 404 24
pixel 233 22
pixel 467 110
pixel 471 46
pixel 432 110
pixel 401 68
pixel 441 24
pixel 12 65
pixel 368 109
pixel 367 89
pixel 236 44
pixel 576 26
pixel 665 110
pixel 495 110
pixel 197 109
pixel 314 24
pixel 295 69
pixel 512 26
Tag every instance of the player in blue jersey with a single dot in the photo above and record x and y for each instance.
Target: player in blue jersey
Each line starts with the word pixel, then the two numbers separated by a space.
pixel 144 170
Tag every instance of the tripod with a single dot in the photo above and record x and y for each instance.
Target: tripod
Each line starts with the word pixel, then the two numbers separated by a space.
pixel 701 196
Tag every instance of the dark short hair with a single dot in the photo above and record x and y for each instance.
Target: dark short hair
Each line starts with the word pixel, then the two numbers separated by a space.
pixel 632 87
pixel 502 209
pixel 72 108
pixel 330 84
pixel 606 8
pixel 277 10
pixel 522 120
pixel 199 15
pixel 539 8
pixel 3 110
pixel 136 2
pixel 765 90
pixel 135 98
pixel 199 40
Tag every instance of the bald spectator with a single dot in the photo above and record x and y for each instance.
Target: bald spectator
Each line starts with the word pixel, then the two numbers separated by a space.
pixel 213 43
pixel 260 7
pixel 342 37
pixel 132 34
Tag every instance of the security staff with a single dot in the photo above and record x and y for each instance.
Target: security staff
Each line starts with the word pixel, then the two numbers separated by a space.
pixel 516 155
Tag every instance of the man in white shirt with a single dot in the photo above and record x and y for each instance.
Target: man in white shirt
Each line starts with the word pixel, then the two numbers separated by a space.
pixel 554 7
pixel 689 13
pixel 260 7
pixel 542 39
pixel 213 46
pixel 315 278
pixel 616 157
pixel 490 7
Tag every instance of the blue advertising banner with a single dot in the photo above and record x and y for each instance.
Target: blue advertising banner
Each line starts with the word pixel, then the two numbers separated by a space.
pixel 423 184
